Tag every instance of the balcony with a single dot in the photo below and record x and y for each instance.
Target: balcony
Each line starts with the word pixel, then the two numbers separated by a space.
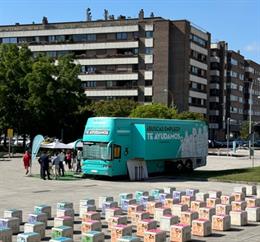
pixel 214 73
pixel 109 77
pixel 107 61
pixel 215 59
pixel 112 93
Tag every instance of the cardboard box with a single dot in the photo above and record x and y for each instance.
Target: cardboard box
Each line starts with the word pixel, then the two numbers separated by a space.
pixel 154 235
pixel 206 213
pixel 223 209
pixel 6 234
pixel 188 216
pixel 252 201
pixel 167 221
pixel 251 190
pixel 63 221
pixel 107 205
pixel 119 231
pixel 88 216
pixel 65 212
pixel 129 239
pixel 178 194
pixel 201 227
pixel 239 196
pixel 178 208
pixel 191 192
pixel 86 202
pixel 126 202
pixel 86 209
pixel 104 199
pixel 226 199
pixel 62 231
pixel 159 212
pixel 187 199
pixel 145 199
pixel 169 202
pixel 93 236
pixel 145 225
pixel 163 196
pixel 93 225
pixel 138 194
pixel 215 194
pixel 212 202
pixel 125 196
pixel 201 196
pixel 29 237
pixel 62 205
pixel 238 218
pixel 138 216
pixel 155 193
pixel 133 209
pixel 43 209
pixel 38 217
pixel 61 239
pixel 253 214
pixel 169 190
pixel 180 233
pixel 14 213
pixel 240 189
pixel 112 212
pixel 238 205
pixel 150 207
pixel 196 205
pixel 221 222
pixel 113 221
pixel 12 223
pixel 37 227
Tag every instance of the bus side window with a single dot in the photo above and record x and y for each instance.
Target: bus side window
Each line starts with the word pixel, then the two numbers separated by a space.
pixel 117 152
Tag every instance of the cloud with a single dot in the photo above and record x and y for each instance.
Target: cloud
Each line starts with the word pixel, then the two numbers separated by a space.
pixel 253 47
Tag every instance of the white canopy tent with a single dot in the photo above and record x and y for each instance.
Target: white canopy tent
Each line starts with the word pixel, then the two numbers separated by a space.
pixel 54 145
pixel 75 144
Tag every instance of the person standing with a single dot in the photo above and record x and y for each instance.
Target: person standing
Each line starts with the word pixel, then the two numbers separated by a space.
pixel 26 161
pixel 61 157
pixel 79 157
pixel 68 159
pixel 44 162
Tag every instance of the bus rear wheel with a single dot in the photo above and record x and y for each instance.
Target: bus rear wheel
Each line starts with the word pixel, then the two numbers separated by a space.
pixel 188 166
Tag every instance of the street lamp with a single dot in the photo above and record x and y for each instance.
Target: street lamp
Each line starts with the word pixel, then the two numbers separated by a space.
pixel 171 94
pixel 228 134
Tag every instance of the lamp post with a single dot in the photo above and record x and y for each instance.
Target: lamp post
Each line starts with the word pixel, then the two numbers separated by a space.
pixel 228 124
pixel 250 117
pixel 171 94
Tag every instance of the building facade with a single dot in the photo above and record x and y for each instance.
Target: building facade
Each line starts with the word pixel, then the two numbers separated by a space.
pixel 232 79
pixel 144 59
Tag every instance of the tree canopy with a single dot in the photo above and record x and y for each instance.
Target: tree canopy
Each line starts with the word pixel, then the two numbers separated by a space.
pixel 38 94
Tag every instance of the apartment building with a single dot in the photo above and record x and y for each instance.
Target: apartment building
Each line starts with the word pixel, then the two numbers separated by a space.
pixel 232 78
pixel 144 59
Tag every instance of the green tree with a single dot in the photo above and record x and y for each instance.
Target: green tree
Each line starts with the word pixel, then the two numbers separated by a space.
pixel 156 110
pixel 113 108
pixel 190 115
pixel 55 95
pixel 15 64
pixel 244 130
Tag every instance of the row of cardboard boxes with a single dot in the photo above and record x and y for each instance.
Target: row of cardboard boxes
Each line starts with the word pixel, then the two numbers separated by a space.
pixel 195 207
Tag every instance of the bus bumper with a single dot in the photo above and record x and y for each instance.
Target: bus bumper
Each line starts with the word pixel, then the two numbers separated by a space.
pixel 96 168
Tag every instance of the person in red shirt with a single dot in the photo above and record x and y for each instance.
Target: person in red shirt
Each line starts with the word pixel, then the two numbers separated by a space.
pixel 26 161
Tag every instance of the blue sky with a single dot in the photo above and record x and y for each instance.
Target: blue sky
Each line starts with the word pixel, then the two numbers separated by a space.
pixel 235 21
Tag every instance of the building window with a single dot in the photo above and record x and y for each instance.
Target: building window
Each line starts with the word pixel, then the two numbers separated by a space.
pixel 51 39
pixel 91 84
pixel 79 38
pixel 90 69
pixel 233 62
pixel 60 38
pixel 148 83
pixel 148 50
pixel 233 86
pixel 241 77
pixel 241 88
pixel 198 56
pixel 198 40
pixel 10 40
pixel 121 36
pixel 197 71
pixel 91 37
pixel 149 34
pixel 149 67
pixel 232 74
pixel 148 99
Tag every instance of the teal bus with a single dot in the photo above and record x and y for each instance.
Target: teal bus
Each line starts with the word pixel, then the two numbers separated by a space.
pixel 138 147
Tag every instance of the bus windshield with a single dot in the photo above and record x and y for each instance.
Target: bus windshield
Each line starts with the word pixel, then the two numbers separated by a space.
pixel 96 151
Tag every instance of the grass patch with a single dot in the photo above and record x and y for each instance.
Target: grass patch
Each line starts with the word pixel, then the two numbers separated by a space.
pixel 235 175
pixel 68 176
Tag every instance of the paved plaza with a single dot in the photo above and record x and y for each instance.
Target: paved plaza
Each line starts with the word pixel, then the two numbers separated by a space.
pixel 19 191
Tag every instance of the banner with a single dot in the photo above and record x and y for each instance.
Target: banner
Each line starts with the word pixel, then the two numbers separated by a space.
pixel 36 145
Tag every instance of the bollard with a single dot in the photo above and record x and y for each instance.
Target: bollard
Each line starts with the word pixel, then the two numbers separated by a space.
pixel 37 227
